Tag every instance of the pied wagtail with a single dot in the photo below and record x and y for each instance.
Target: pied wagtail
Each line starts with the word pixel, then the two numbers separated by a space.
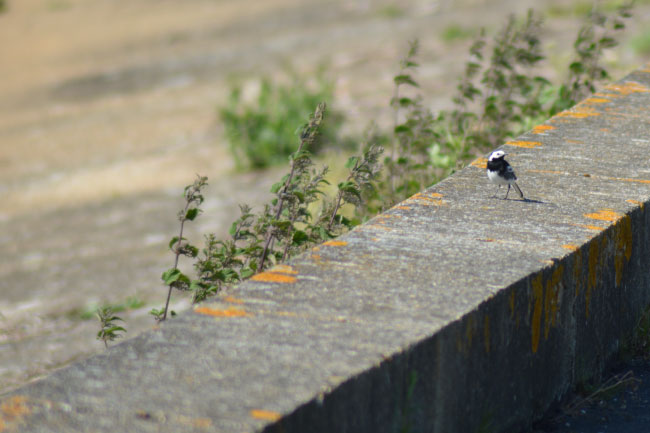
pixel 501 173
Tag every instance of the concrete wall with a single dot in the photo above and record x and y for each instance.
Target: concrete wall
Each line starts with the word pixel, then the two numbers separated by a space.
pixel 451 312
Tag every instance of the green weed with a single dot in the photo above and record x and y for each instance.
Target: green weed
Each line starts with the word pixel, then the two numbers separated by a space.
pixel 456 32
pixel 109 330
pixel 173 277
pixel 262 133
pixel 89 311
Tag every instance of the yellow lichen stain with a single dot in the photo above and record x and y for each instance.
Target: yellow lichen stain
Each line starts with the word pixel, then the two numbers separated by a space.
pixel 596 101
pixel 607 95
pixel 315 257
pixel 479 162
pixel 570 247
pixel 623 236
pixel 233 300
pixel 334 243
pixel 629 180
pixel 202 423
pixel 637 202
pixel 590 227
pixel 552 299
pixel 580 111
pixel 574 141
pixel 627 88
pixel 266 415
pixel 316 249
pixel 431 199
pixel 13 410
pixel 538 295
pixel 604 215
pixel 526 144
pixel 604 129
pixel 540 129
pixel 273 277
pixel 219 312
pixel 486 333
pixel 375 226
pixel 403 207
pixel 283 269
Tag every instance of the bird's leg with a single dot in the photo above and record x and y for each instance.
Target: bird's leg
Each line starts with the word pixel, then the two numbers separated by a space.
pixel 497 191
pixel 507 192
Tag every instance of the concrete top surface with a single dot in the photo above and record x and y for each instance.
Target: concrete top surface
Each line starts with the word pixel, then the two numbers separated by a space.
pixel 292 335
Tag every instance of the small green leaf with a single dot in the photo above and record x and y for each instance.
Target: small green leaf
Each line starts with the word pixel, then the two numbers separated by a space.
pixel 276 187
pixel 405 79
pixel 192 213
pixel 171 275
pixel 351 162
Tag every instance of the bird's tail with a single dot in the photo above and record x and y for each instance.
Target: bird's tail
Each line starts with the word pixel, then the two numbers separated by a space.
pixel 521 194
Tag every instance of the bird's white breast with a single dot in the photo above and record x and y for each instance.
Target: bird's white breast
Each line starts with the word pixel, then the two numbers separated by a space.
pixel 495 178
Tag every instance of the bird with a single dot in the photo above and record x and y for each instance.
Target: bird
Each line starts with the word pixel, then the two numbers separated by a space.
pixel 500 172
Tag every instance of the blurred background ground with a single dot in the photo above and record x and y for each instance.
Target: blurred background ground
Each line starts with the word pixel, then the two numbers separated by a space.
pixel 108 109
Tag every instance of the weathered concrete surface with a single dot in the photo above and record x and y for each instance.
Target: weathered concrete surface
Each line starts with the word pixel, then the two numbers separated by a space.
pixel 452 312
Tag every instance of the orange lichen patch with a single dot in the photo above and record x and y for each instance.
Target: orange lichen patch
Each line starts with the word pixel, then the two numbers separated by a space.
pixel 590 227
pixel 316 249
pixel 536 325
pixel 315 256
pixel 596 101
pixel 335 243
pixel 233 300
pixel 571 247
pixel 219 312
pixel 266 415
pixel 604 129
pixel 540 129
pixel 202 423
pixel 431 199
pixel 578 112
pixel 604 215
pixel 627 88
pixel 630 180
pixel 575 141
pixel 375 226
pixel 403 207
pixel 526 144
pixel 487 240
pixel 479 162
pixel 273 277
pixel 637 202
pixel 607 95
pixel 14 408
pixel 283 269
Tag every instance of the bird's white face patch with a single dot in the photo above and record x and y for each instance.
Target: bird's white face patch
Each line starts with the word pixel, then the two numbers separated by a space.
pixel 496 155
